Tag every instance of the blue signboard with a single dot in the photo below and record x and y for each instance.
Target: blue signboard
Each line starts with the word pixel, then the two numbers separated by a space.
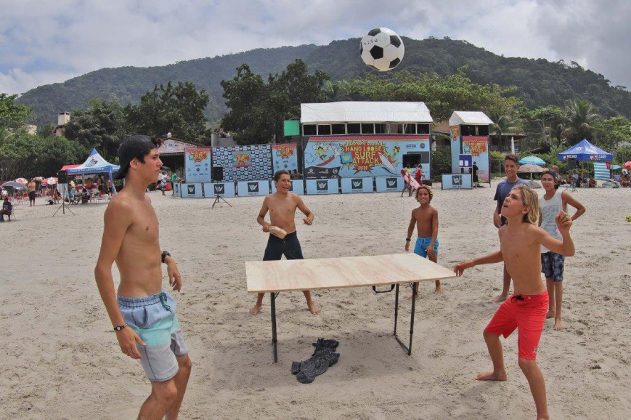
pixel 322 186
pixel 389 183
pixel 297 187
pixel 356 185
pixel 224 189
pixel 197 164
pixel 285 156
pixel 192 190
pixel 252 188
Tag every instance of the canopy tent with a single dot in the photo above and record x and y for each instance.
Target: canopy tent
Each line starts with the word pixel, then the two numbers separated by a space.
pixel 583 151
pixel 94 164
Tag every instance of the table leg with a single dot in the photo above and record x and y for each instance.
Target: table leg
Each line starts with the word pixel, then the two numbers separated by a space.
pixel 274 341
pixel 396 308
pixel 407 348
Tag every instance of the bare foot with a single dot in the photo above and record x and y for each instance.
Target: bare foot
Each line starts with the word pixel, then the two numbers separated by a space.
pixel 557 325
pixel 313 308
pixel 500 298
pixel 550 315
pixel 255 309
pixel 491 376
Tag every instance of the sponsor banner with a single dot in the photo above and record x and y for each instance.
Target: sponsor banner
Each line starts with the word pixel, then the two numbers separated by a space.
pixel 322 186
pixel 244 163
pixel 456 181
pixel 224 189
pixel 197 164
pixel 178 190
pixel 252 188
pixel 478 148
pixel 357 157
pixel 356 185
pixel 389 183
pixel 192 190
pixel 285 156
pixel 297 187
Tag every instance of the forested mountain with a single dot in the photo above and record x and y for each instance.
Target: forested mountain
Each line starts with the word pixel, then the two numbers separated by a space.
pixel 538 82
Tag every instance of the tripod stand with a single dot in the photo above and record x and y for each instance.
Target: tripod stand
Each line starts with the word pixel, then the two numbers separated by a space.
pixel 217 198
pixel 63 203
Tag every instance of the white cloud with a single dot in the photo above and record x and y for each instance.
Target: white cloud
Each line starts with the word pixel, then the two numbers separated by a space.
pixel 43 42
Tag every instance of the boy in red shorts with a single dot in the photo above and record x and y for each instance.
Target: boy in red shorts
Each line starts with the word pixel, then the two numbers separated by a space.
pixel 520 243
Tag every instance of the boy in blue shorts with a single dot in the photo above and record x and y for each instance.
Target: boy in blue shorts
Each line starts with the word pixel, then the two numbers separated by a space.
pixel 425 217
pixel 142 314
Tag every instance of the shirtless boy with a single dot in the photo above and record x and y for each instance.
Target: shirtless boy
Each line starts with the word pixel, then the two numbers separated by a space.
pixel 143 316
pixel 425 217
pixel 282 207
pixel 520 243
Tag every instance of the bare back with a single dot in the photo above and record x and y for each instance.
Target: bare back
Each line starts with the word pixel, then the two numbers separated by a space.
pixel 521 251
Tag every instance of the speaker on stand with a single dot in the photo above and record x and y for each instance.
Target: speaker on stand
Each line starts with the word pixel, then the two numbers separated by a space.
pixel 216 175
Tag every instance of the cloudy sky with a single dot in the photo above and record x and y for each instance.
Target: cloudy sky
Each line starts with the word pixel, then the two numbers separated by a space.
pixel 44 41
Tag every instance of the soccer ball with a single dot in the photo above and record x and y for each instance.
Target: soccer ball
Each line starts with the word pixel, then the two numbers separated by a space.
pixel 382 49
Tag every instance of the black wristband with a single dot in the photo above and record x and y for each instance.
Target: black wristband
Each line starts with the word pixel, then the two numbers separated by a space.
pixel 118 328
pixel 164 255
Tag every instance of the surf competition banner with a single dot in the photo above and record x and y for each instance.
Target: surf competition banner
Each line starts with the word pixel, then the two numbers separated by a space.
pixel 197 164
pixel 285 156
pixel 244 163
pixel 359 156
pixel 476 146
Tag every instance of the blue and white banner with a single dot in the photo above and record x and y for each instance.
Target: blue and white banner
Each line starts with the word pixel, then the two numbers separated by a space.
pixel 252 188
pixel 456 181
pixel 356 185
pixel 197 164
pixel 224 189
pixel 389 183
pixel 192 190
pixel 322 186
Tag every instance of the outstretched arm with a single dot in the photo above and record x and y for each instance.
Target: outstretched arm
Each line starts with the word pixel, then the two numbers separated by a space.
pixel 491 258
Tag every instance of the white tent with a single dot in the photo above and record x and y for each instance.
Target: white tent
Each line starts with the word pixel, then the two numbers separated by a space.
pixel 364 112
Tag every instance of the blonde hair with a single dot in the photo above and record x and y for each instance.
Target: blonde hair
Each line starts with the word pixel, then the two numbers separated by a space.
pixel 426 188
pixel 530 199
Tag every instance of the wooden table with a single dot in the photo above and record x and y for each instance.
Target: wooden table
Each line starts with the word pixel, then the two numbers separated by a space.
pixel 328 273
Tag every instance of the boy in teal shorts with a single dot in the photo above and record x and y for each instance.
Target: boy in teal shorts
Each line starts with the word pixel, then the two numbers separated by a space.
pixel 425 217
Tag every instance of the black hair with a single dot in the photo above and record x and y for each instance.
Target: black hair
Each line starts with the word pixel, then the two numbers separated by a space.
pixel 135 146
pixel 277 174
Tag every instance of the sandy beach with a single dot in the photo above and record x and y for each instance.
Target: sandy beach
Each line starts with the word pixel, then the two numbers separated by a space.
pixel 61 360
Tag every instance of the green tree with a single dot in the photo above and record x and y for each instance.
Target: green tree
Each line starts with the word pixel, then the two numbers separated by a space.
pixel 580 115
pixel 176 109
pixel 622 154
pixel 102 126
pixel 256 110
pixel 13 116
pixel 609 132
pixel 25 155
pixel 545 124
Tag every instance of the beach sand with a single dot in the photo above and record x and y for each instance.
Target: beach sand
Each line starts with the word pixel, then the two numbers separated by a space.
pixel 61 360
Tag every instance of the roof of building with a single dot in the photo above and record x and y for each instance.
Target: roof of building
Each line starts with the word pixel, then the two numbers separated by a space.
pixel 469 118
pixel 364 112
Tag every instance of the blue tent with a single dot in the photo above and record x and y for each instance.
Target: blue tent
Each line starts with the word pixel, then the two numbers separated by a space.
pixel 95 164
pixel 584 150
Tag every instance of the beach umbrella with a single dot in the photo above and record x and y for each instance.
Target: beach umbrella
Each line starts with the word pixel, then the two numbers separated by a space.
pixel 22 181
pixel 627 164
pixel 13 184
pixel 532 160
pixel 530 168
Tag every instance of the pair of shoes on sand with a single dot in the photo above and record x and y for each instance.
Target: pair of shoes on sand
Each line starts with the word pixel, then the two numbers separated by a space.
pixel 323 357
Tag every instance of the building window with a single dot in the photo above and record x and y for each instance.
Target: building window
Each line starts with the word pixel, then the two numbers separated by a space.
pixel 338 128
pixel 353 128
pixel 368 129
pixel 483 130
pixel 410 128
pixel 309 130
pixel 380 129
pixel 394 128
pixel 422 128
pixel 324 130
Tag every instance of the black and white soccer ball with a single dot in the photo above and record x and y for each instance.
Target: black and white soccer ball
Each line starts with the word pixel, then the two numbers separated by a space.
pixel 382 49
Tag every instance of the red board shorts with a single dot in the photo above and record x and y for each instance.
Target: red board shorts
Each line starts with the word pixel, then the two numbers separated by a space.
pixel 527 313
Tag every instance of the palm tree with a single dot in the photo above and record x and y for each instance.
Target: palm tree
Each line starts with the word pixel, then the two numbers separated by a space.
pixel 504 123
pixel 580 115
